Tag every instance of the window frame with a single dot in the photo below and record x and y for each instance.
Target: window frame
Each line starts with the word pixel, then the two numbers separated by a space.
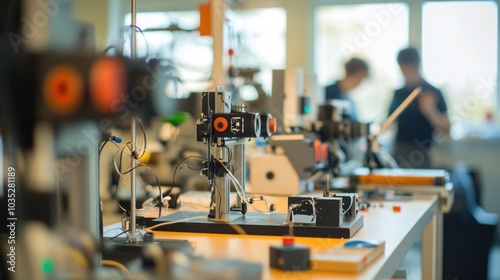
pixel 415 8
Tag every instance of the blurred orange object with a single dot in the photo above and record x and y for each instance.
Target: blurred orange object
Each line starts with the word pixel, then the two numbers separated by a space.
pixel 205 19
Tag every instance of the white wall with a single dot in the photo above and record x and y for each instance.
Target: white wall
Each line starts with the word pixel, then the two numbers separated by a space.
pixel 95 12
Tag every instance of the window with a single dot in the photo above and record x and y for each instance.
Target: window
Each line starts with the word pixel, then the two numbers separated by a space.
pixel 375 32
pixel 189 53
pixel 459 55
pixel 258 37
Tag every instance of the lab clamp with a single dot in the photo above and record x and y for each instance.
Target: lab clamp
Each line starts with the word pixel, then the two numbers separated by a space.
pixel 220 127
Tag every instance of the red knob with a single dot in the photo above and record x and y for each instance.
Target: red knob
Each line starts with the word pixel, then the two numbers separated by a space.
pixel 288 240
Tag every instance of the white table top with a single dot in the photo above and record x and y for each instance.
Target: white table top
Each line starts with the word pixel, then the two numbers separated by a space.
pixel 398 230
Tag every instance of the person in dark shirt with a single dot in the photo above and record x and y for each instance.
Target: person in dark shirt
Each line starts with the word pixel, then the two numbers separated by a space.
pixel 422 118
pixel 356 71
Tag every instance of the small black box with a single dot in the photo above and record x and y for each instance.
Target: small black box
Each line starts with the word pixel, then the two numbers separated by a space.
pixel 329 211
pixel 290 257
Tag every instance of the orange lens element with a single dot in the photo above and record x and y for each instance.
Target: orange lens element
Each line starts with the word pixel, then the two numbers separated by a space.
pixel 317 150
pixel 273 125
pixel 324 152
pixel 220 124
pixel 107 84
pixel 63 90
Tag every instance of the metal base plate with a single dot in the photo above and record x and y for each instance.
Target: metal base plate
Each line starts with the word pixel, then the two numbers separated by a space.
pixel 256 224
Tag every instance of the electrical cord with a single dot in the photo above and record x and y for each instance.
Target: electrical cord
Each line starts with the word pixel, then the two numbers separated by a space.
pixel 134 157
pixel 194 169
pixel 143 139
pixel 116 264
pixel 113 229
pixel 289 218
pixel 290 209
pixel 350 205
pixel 118 183
pixel 101 147
pixel 160 196
pixel 236 227
pixel 175 172
pixel 125 231
pixel 150 229
pixel 113 140
pixel 216 187
pixel 137 28
pixel 313 208
pixel 108 48
pixel 279 208
pixel 251 200
pixel 229 152
pixel 239 188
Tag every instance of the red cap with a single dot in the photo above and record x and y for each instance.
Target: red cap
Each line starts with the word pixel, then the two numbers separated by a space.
pixel 288 240
pixel 396 208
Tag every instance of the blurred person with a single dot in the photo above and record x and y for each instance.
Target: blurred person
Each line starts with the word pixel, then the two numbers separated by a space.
pixel 421 119
pixel 356 71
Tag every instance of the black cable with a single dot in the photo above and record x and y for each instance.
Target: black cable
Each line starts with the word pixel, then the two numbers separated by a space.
pixel 220 195
pixel 137 28
pixel 107 49
pixel 261 198
pixel 135 156
pixel 125 231
pixel 160 193
pixel 175 172
pixel 229 153
pixel 118 183
pixel 195 169
pixel 160 198
pixel 102 146
pixel 144 139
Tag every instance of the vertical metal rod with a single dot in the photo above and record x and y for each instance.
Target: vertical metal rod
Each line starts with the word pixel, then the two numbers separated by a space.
pixel 221 189
pixel 133 10
pixel 240 168
pixel 133 180
pixel 239 165
pixel 222 183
